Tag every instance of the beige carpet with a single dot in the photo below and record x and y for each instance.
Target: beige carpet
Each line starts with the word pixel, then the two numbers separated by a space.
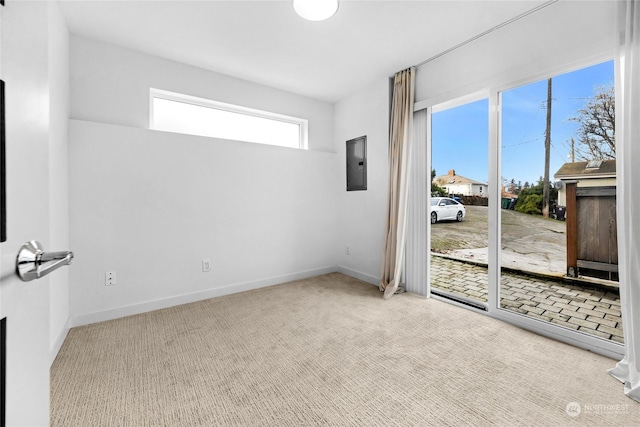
pixel 326 351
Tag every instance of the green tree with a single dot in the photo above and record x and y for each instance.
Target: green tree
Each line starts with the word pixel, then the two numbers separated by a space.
pixel 530 198
pixel 530 204
pixel 435 189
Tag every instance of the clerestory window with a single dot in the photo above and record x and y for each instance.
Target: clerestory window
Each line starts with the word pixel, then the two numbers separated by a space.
pixel 174 112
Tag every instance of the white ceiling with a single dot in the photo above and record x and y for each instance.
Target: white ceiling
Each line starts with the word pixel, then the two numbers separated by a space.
pixel 266 42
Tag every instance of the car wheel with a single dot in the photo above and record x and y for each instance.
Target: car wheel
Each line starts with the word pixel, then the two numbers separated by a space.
pixel 434 218
pixel 459 216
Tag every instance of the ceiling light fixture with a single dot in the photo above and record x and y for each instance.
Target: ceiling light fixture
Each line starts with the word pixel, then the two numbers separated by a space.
pixel 315 10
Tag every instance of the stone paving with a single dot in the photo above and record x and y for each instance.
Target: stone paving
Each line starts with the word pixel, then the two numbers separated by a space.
pixel 591 310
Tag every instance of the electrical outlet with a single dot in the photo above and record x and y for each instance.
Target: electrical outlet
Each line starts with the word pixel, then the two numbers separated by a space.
pixel 206 265
pixel 110 278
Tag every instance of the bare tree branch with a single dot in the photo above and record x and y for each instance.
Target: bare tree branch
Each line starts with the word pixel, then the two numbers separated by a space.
pixel 596 134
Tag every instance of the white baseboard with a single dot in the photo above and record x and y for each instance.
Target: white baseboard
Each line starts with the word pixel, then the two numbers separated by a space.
pixel 59 341
pixel 359 275
pixel 143 307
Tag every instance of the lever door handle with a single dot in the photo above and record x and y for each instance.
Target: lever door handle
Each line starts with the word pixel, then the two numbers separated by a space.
pixel 33 262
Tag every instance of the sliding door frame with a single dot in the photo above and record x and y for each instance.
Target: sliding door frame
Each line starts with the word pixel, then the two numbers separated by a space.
pixel 494 94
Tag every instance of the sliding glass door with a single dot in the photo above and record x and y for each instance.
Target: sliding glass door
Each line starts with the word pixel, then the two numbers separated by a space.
pixel 523 206
pixel 558 238
pixel 458 209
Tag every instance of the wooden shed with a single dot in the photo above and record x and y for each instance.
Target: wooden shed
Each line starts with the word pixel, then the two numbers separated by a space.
pixel 588 191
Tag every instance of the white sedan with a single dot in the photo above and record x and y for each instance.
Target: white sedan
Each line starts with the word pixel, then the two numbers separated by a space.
pixel 446 208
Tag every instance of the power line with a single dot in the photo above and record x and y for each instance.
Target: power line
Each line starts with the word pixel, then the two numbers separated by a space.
pixel 522 143
pixel 558 152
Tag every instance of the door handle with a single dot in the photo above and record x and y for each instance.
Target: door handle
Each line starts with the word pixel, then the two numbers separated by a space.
pixel 33 262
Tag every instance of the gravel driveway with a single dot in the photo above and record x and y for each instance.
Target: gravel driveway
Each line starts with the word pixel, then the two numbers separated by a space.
pixel 529 242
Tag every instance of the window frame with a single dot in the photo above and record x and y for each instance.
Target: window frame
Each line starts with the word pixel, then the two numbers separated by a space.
pixel 303 124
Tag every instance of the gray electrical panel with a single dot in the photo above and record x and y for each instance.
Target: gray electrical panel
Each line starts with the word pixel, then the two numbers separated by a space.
pixel 357 164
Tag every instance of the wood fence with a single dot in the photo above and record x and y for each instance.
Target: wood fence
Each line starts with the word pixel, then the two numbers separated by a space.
pixel 592 237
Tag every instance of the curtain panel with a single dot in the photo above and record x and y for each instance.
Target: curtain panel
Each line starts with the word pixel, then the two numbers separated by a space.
pixel 417 260
pixel 399 158
pixel 628 196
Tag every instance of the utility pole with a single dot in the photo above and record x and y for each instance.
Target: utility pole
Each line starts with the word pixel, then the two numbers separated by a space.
pixel 573 151
pixel 547 153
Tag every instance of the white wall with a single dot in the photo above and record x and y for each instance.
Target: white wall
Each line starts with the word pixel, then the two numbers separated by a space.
pixel 152 205
pixel 565 34
pixel 111 84
pixel 58 173
pixel 593 182
pixel 464 189
pixel 363 213
pixel 33 61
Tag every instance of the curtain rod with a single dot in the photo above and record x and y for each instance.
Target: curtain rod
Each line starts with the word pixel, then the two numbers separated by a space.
pixel 490 30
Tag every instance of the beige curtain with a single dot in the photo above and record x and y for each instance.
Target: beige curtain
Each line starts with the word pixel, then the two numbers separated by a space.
pixel 399 156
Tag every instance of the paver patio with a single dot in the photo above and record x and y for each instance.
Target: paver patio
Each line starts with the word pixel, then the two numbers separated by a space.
pixel 590 310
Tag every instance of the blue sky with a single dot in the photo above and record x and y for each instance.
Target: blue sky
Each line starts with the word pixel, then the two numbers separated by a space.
pixel 460 135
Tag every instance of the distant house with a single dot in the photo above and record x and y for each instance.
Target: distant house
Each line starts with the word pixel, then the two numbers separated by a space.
pixel 460 185
pixel 597 173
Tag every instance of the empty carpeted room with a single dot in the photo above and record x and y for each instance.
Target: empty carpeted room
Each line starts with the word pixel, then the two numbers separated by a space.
pixel 217 213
